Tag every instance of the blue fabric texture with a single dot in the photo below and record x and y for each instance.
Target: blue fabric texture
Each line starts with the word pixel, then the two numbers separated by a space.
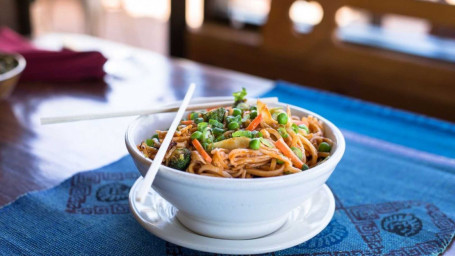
pixel 394 189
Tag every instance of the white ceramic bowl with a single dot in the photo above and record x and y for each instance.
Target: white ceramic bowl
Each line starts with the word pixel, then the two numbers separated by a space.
pixel 232 208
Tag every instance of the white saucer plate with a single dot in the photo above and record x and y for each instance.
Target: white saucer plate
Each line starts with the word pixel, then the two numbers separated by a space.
pixel 304 222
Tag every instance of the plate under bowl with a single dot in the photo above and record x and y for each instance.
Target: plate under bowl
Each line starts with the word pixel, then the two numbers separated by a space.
pixel 304 222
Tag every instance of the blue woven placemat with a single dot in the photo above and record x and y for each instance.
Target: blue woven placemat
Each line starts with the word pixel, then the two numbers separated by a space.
pixel 395 191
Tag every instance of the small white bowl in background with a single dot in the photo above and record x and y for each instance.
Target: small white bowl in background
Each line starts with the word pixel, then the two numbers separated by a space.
pixel 232 208
pixel 9 79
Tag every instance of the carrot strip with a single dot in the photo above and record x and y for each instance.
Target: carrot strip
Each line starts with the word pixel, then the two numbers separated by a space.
pixel 189 116
pixel 201 150
pixel 254 123
pixel 284 148
pixel 187 122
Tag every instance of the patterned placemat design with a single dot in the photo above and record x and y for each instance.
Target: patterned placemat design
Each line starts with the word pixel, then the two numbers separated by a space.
pixel 100 193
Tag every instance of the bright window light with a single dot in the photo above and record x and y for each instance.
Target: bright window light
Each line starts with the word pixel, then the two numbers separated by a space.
pixel 306 12
pixel 404 24
pixel 346 16
pixel 194 13
pixel 158 9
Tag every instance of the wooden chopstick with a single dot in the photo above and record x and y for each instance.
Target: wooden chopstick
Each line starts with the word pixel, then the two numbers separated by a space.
pixel 156 163
pixel 165 109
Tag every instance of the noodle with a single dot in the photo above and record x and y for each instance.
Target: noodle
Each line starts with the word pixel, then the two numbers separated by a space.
pixel 226 153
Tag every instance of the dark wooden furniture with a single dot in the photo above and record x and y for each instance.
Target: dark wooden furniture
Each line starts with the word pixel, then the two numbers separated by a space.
pixel 321 59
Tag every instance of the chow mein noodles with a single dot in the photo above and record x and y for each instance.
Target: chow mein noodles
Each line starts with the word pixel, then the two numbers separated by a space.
pixel 243 141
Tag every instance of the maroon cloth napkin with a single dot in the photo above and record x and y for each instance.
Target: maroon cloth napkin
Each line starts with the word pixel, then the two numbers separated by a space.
pixel 53 66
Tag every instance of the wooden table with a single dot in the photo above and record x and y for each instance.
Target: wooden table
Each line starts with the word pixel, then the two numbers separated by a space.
pixel 35 157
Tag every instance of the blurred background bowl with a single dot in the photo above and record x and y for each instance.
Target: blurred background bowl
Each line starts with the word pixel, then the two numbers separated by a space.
pixel 11 67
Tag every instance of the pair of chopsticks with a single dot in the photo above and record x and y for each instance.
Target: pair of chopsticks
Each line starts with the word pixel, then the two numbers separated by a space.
pixel 164 109
pixel 153 170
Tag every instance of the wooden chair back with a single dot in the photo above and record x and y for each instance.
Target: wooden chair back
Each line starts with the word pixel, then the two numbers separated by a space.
pixel 321 60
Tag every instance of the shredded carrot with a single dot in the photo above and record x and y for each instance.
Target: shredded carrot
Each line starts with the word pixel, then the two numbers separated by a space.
pixel 187 122
pixel 201 151
pixel 284 148
pixel 254 123
pixel 189 116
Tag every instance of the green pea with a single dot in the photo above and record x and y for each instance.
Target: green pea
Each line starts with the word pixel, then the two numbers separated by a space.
pixel 149 142
pixel 278 161
pixel 303 127
pixel 233 125
pixel 282 118
pixel 236 112
pixel 305 167
pixel 196 135
pixel 155 136
pixel 255 144
pixel 253 108
pixel 194 115
pixel 283 132
pixel 324 147
pixel 242 133
pixel 297 152
pixel 215 123
pixel 217 131
pixel 199 120
pixel 253 114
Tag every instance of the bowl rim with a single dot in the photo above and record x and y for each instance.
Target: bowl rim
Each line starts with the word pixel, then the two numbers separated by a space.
pixel 191 178
pixel 21 63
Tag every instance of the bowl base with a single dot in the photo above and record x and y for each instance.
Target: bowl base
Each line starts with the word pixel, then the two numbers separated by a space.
pixel 230 230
